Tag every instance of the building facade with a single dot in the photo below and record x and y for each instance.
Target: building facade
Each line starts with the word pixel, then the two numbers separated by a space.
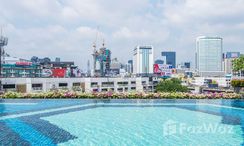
pixel 118 84
pixel 143 57
pixel 221 81
pixel 232 55
pixel 130 66
pixel 170 58
pixel 209 52
pixel 228 58
pixel 187 65
pixel 16 67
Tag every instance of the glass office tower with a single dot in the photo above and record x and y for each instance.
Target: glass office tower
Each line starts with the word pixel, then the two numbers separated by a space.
pixel 209 59
pixel 143 60
pixel 170 58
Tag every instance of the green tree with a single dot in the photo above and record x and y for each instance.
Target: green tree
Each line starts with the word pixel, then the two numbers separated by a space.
pixel 238 65
pixel 171 85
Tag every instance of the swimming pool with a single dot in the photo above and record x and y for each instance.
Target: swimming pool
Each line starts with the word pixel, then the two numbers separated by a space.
pixel 87 122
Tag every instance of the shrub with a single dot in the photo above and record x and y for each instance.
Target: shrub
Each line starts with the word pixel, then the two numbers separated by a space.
pixel 237 83
pixel 12 95
pixel 132 95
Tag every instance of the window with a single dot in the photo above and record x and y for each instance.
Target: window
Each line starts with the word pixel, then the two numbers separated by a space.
pixel 103 90
pixel 63 84
pixel 133 82
pixel 122 83
pixel 133 88
pixel 155 82
pixel 36 86
pixel 8 86
pixel 107 84
pixel 120 89
pixel 76 84
pixel 93 84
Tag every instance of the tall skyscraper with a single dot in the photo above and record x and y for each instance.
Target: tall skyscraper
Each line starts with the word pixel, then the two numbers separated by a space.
pixel 170 58
pixel 209 51
pixel 143 60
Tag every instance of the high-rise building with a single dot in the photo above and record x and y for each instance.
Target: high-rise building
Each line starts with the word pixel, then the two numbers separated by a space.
pixel 170 58
pixel 130 66
pixel 102 61
pixel 209 51
pixel 187 65
pixel 115 66
pixel 143 60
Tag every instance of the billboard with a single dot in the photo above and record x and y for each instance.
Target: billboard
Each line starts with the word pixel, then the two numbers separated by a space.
pixel 232 54
pixel 57 73
pixel 47 73
pixel 20 63
pixel 162 69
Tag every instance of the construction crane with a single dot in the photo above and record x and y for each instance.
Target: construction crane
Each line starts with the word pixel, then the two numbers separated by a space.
pixel 102 56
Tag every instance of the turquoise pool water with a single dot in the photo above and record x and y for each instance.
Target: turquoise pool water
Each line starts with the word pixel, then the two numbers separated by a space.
pixel 122 122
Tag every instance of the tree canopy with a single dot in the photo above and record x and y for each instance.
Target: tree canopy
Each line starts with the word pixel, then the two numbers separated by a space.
pixel 171 85
pixel 238 64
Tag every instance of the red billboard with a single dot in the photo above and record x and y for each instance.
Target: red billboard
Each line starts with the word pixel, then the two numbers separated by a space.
pixel 23 63
pixel 58 73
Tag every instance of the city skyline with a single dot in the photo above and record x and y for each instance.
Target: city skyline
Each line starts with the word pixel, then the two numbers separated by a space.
pixel 66 29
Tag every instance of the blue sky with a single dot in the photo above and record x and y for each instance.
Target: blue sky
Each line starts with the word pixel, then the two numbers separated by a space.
pixel 67 28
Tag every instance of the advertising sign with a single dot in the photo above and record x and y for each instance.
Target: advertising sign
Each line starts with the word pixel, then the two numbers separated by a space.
pixel 58 73
pixel 23 63
pixel 47 72
pixel 234 55
pixel 162 69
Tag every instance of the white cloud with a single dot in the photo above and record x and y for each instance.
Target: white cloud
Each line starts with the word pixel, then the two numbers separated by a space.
pixel 67 28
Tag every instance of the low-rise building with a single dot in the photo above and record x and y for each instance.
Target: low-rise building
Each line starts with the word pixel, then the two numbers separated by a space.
pixel 119 84
pixel 203 81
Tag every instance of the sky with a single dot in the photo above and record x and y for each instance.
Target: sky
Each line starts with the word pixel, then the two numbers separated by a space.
pixel 68 28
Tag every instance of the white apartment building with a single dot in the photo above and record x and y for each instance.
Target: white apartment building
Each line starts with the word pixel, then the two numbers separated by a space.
pixel 119 84
pixel 222 81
